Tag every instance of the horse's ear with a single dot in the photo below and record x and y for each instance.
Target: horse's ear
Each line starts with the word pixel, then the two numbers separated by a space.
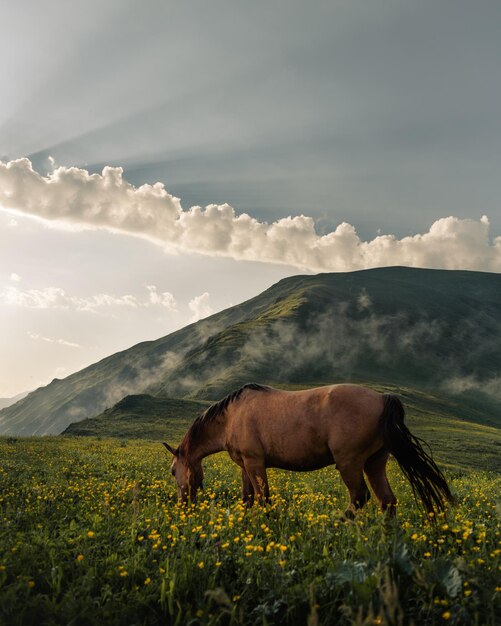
pixel 171 449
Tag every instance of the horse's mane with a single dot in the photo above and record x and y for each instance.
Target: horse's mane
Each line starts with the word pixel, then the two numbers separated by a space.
pixel 210 414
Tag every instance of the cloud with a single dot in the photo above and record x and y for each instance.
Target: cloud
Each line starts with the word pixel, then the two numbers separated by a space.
pixel 61 342
pixel 15 277
pixel 200 307
pixel 165 299
pixel 463 384
pixel 50 297
pixel 72 197
pixel 57 298
pixel 364 301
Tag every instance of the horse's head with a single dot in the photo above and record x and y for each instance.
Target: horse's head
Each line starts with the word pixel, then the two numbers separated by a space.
pixel 189 475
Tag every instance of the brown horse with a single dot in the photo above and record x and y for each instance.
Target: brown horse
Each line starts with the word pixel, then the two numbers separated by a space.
pixel 350 426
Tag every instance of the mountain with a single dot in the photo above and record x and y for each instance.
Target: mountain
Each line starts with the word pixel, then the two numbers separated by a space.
pixel 431 330
pixel 5 402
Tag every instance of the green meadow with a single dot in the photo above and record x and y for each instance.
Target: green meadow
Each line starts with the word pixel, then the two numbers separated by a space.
pixel 91 533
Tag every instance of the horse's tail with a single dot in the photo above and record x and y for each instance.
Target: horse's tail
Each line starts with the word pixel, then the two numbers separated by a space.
pixel 420 469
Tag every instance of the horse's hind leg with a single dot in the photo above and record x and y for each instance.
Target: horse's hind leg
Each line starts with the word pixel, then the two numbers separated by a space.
pixel 353 478
pixel 247 489
pixel 375 468
pixel 256 471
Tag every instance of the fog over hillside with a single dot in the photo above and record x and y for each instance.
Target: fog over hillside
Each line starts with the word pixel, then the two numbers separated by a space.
pixel 432 330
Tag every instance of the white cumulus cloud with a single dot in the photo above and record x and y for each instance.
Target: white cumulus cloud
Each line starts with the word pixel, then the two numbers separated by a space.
pixel 57 298
pixel 50 297
pixel 165 299
pixel 200 307
pixel 70 196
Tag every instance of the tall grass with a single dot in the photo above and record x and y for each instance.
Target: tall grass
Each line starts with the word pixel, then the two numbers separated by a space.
pixel 91 533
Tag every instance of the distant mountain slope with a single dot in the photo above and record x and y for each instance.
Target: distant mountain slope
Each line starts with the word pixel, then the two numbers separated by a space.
pixel 427 329
pixel 456 443
pixel 5 402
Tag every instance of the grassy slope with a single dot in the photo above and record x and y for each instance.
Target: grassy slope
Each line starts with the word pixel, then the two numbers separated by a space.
pixel 141 417
pixel 456 443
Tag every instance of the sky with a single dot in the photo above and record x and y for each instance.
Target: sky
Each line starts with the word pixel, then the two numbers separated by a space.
pixel 162 161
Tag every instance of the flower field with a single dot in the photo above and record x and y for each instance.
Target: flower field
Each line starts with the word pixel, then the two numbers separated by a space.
pixel 91 533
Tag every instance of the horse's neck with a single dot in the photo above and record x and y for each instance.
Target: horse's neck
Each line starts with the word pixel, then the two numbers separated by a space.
pixel 212 440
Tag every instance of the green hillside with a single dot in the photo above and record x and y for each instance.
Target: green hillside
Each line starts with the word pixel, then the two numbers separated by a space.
pixel 422 328
pixel 141 417
pixel 435 331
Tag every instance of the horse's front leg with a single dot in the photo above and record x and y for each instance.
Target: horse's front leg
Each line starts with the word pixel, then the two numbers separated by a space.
pixel 247 489
pixel 256 471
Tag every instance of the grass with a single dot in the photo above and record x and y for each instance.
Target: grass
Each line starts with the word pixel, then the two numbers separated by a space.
pixel 141 416
pixel 91 533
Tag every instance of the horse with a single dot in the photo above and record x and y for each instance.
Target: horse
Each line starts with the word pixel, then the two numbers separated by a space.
pixel 350 426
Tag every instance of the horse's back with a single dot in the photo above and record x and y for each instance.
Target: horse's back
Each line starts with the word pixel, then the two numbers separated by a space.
pixel 355 421
pixel 304 429
pixel 353 400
